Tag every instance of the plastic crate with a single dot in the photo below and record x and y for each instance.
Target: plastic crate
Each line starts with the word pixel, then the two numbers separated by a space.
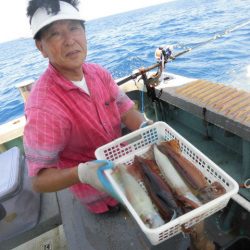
pixel 122 150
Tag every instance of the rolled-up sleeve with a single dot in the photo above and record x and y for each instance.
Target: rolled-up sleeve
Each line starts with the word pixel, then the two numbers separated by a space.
pixel 45 136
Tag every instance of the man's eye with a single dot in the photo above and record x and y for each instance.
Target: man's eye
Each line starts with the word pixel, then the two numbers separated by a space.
pixel 74 28
pixel 54 34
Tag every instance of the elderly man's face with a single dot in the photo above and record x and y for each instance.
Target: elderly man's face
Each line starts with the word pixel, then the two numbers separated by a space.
pixel 64 43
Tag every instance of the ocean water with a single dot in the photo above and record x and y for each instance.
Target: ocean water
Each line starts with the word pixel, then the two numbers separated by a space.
pixel 127 41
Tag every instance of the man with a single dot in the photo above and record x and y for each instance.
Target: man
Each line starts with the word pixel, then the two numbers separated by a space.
pixel 74 108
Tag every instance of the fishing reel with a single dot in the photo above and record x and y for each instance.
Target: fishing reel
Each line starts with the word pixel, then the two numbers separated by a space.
pixel 163 54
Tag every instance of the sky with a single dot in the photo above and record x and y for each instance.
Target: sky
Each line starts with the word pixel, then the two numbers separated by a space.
pixel 14 23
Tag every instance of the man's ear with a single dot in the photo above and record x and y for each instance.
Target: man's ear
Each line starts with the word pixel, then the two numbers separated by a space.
pixel 39 45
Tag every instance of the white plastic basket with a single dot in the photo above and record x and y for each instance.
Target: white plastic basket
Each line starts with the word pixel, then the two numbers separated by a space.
pixel 122 150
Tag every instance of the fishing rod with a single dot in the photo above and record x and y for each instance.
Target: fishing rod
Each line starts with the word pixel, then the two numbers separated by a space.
pixel 164 55
pixel 215 37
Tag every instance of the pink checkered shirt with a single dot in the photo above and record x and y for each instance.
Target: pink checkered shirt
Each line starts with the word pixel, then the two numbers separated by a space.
pixel 65 125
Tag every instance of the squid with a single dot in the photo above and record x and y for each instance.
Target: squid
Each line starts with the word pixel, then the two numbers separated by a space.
pixel 139 199
pixel 175 180
pixel 211 192
pixel 193 176
pixel 185 168
pixel 158 190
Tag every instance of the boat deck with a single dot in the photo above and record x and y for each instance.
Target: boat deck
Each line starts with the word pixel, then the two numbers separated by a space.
pixel 222 105
pixel 10 131
pixel 227 101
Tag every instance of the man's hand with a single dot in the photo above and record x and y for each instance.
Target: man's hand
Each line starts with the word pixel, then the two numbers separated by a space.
pixel 87 173
pixel 146 123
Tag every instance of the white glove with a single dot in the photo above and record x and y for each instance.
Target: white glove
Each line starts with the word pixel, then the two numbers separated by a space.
pixel 87 173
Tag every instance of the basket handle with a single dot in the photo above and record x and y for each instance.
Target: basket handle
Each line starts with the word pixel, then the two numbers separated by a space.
pixel 103 179
pixel 137 137
pixel 130 141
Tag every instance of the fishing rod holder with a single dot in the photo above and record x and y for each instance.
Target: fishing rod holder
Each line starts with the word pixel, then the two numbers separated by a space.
pixel 162 55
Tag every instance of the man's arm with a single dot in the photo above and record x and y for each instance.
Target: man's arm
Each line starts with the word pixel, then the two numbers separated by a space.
pixel 133 119
pixel 52 179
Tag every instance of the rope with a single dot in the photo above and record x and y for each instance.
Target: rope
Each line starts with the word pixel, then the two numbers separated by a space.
pixel 246 184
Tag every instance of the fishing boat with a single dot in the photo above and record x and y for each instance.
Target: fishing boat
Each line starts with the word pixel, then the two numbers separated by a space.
pixel 213 117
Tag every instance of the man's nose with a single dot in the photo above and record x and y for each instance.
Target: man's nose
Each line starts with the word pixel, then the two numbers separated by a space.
pixel 68 38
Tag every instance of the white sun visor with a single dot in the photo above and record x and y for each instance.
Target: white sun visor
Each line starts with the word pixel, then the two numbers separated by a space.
pixel 41 18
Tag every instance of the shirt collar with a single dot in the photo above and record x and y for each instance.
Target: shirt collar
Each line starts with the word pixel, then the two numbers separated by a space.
pixel 60 80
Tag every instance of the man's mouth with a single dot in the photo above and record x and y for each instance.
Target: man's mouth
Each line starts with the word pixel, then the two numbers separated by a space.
pixel 72 53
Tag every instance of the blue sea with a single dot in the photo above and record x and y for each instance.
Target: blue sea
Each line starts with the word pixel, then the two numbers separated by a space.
pixel 127 41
